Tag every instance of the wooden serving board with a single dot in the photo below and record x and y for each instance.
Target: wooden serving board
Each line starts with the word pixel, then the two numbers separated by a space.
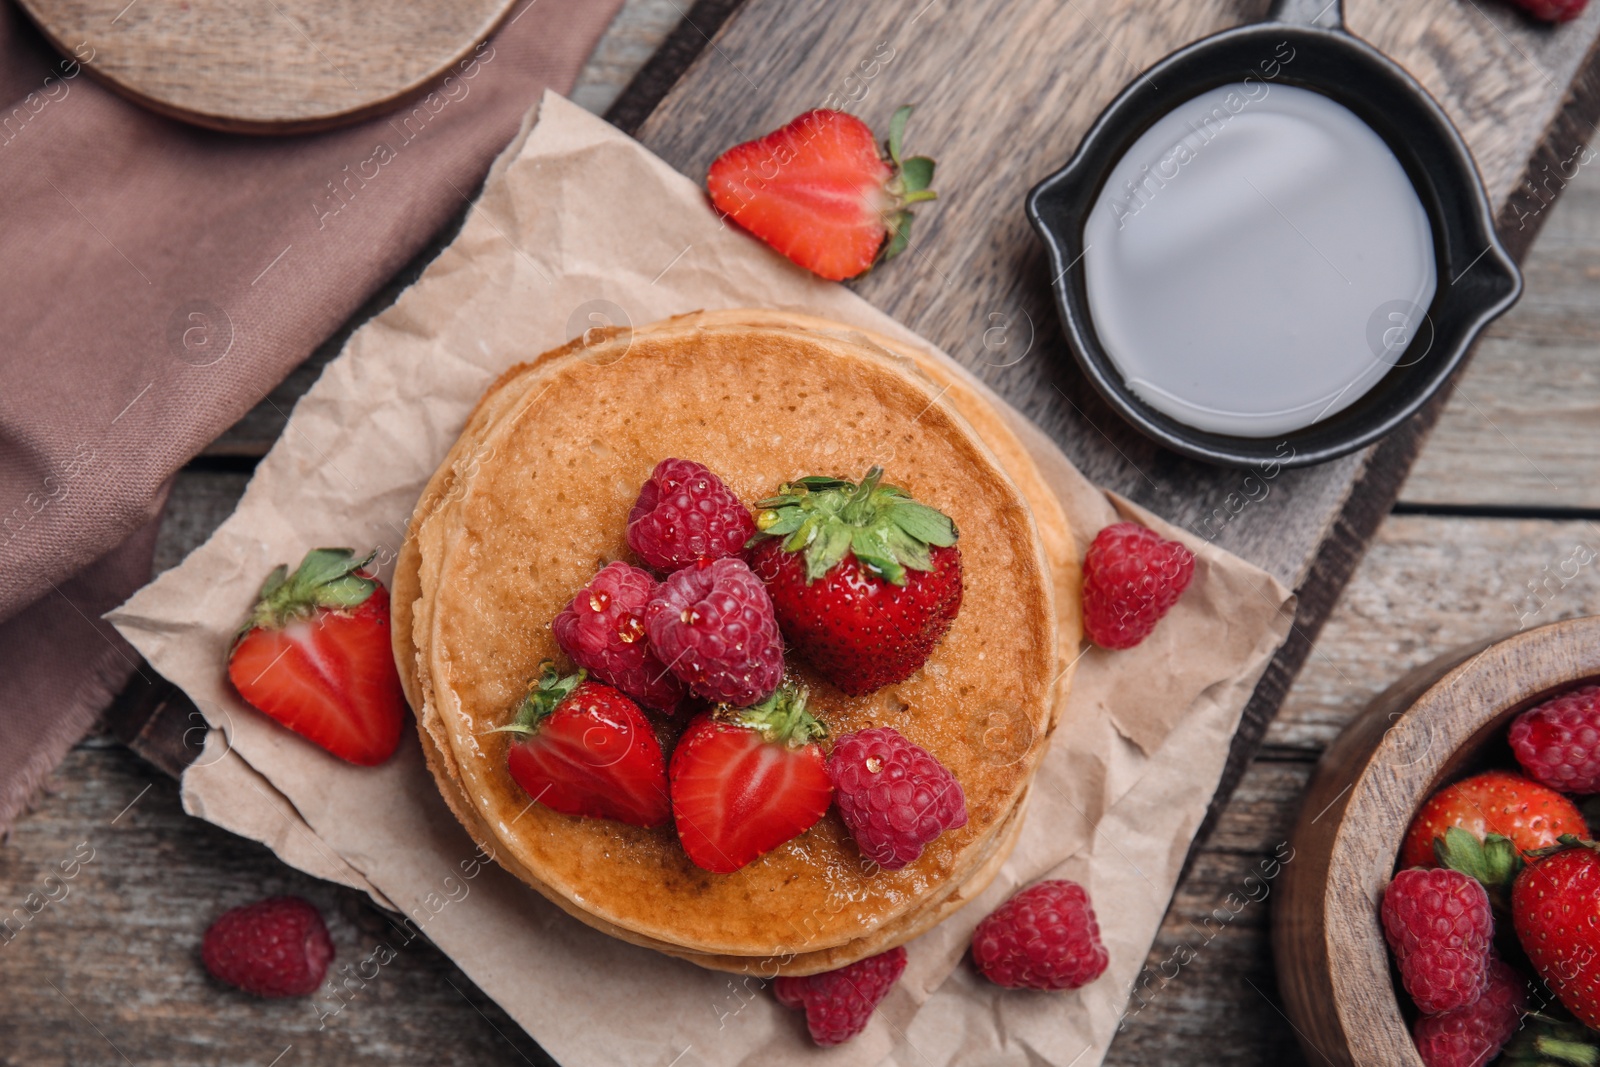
pixel 266 66
pixel 1004 92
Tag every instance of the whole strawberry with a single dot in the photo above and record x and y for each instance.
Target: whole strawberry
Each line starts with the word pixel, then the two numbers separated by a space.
pixel 684 513
pixel 1553 10
pixel 278 947
pixel 1558 742
pixel 1044 937
pixel 1439 926
pixel 602 629
pixel 1472 1035
pixel 315 655
pixel 894 796
pixel 744 781
pixel 712 624
pixel 865 580
pixel 839 1004
pixel 1555 906
pixel 1530 815
pixel 819 193
pixel 583 748
pixel 1131 578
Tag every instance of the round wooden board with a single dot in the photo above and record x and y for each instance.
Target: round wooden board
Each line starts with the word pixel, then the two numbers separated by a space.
pixel 266 66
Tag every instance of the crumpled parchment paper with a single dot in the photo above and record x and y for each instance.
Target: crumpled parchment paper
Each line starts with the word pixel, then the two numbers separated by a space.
pixel 578 226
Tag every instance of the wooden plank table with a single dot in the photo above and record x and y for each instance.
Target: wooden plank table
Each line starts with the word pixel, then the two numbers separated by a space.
pixel 1499 498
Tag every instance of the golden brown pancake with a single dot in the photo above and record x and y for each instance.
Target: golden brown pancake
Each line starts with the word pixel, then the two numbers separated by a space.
pixel 534 497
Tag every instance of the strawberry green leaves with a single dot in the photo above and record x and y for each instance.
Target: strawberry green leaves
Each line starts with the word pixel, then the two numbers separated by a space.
pixel 910 185
pixel 828 518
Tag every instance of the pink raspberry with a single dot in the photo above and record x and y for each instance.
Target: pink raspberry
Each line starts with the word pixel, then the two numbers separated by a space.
pixel 603 631
pixel 712 624
pixel 893 795
pixel 839 1004
pixel 1439 927
pixel 684 513
pixel 277 947
pixel 1472 1035
pixel 1558 742
pixel 1044 937
pixel 1131 578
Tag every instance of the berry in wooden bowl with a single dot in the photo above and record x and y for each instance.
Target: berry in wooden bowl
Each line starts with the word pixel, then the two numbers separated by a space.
pixel 1435 764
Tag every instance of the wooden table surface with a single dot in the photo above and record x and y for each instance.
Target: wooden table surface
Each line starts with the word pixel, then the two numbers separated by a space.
pixel 1501 497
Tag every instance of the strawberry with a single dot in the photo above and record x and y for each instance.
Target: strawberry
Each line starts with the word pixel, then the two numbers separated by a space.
pixel 1496 815
pixel 746 780
pixel 819 192
pixel 315 655
pixel 584 748
pixel 864 580
pixel 1555 907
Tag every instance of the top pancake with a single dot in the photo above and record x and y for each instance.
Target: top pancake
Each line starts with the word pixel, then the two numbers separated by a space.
pixel 534 498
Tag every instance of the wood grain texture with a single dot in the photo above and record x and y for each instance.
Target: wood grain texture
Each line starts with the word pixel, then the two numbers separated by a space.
pixel 274 67
pixel 640 29
pixel 1519 429
pixel 109 971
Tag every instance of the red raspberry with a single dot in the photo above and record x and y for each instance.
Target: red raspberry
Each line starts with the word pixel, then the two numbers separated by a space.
pixel 1558 742
pixel 684 513
pixel 839 1003
pixel 1553 10
pixel 1471 1036
pixel 603 631
pixel 1044 937
pixel 712 623
pixel 278 947
pixel 1131 578
pixel 1440 928
pixel 893 795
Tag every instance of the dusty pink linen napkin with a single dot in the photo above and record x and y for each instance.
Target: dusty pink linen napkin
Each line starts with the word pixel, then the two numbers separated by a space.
pixel 156 280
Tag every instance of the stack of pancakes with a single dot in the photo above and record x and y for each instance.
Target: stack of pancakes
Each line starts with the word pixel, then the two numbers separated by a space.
pixel 534 498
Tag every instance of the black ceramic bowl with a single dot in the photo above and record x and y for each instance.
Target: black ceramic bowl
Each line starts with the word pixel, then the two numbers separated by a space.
pixel 1477 278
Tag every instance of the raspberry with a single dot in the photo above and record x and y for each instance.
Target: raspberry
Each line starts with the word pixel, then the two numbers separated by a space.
pixel 894 796
pixel 839 1003
pixel 1558 742
pixel 1044 937
pixel 1470 1036
pixel 712 624
pixel 278 947
pixel 1131 578
pixel 684 513
pixel 603 631
pixel 1439 926
pixel 1553 10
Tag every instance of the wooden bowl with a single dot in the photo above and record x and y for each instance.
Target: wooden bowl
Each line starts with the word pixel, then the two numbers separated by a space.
pixel 1438 722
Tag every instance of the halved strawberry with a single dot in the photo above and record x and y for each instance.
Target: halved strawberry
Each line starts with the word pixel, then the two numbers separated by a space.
pixel 586 749
pixel 818 191
pixel 745 780
pixel 315 655
pixel 864 580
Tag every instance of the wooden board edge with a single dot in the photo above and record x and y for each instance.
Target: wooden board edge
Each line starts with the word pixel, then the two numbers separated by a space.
pixel 406 94
pixel 644 93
